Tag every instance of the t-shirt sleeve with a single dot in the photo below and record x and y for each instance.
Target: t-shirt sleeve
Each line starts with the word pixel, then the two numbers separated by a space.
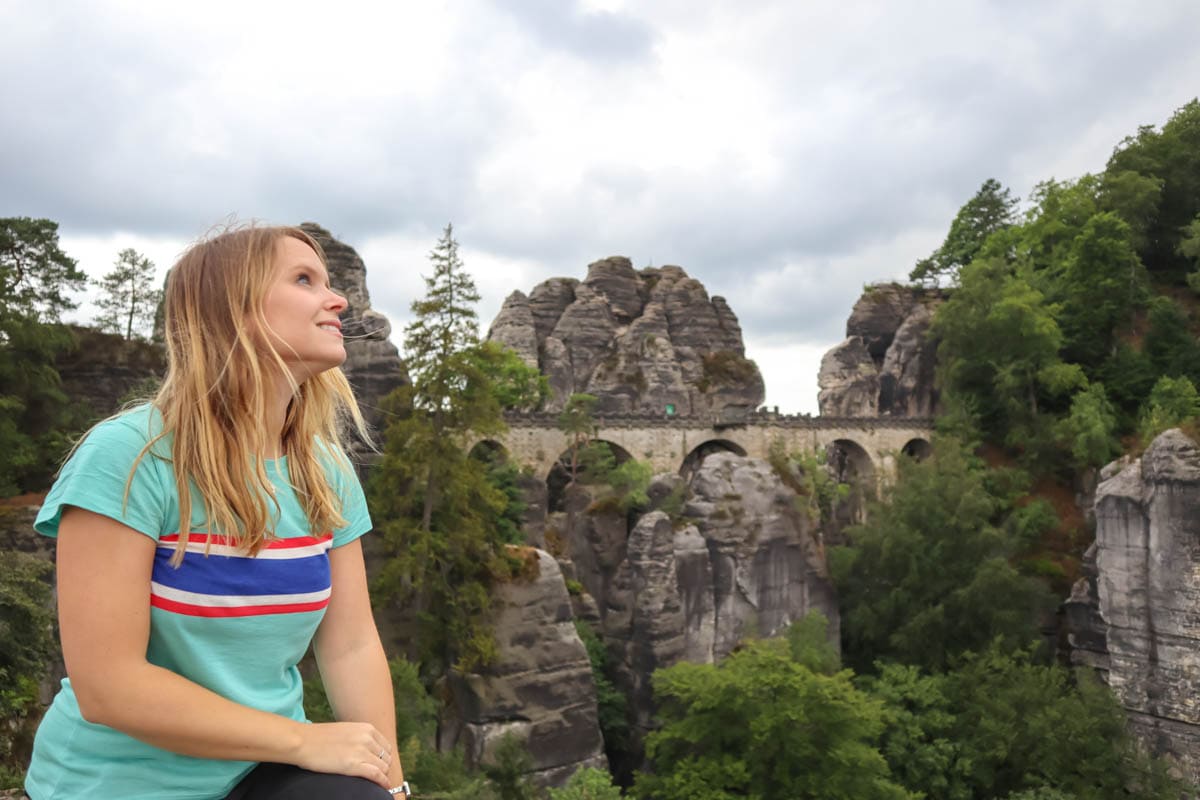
pixel 95 476
pixel 354 508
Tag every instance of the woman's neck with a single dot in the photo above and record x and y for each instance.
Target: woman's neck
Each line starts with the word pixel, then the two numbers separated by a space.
pixel 280 397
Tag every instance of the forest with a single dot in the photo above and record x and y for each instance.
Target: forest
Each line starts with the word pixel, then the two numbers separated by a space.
pixel 1067 338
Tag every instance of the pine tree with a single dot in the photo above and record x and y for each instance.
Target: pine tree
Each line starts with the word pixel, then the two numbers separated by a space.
pixel 442 512
pixel 130 300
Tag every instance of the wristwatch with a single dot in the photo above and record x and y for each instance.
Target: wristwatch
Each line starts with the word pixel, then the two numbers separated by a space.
pixel 401 790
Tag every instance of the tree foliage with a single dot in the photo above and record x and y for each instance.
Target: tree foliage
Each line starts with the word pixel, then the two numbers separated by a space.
pixel 992 209
pixel 762 724
pixel 443 511
pixel 129 299
pixel 37 420
pixel 36 276
pixel 1002 725
pixel 26 645
pixel 927 576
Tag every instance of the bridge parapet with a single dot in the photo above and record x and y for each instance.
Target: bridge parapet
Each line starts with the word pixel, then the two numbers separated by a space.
pixel 667 443
pixel 549 420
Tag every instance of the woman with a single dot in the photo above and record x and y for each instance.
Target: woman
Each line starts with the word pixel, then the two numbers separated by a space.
pixel 181 642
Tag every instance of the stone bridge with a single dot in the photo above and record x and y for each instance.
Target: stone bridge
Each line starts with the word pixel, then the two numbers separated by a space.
pixel 865 446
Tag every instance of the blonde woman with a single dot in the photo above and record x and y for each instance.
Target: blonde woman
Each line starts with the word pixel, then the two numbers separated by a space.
pixel 181 639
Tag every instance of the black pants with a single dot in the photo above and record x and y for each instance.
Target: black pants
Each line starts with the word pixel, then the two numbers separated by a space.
pixel 285 782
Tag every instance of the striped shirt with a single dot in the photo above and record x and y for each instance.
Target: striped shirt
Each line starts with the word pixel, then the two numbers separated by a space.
pixel 234 623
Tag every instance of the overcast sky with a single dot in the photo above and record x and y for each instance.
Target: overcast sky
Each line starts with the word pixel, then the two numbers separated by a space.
pixel 784 153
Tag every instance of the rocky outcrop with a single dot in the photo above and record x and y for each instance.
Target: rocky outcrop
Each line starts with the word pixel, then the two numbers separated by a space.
pixel 373 364
pixel 104 370
pixel 885 366
pixel 1145 594
pixel 639 340
pixel 735 560
pixel 539 689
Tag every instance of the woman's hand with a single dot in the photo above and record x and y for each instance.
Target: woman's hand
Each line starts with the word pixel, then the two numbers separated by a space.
pixel 345 748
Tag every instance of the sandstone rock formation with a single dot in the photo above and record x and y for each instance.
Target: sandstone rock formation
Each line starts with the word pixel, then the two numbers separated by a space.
pixel 738 560
pixel 105 370
pixel 885 366
pixel 373 364
pixel 1135 617
pixel 637 339
pixel 539 689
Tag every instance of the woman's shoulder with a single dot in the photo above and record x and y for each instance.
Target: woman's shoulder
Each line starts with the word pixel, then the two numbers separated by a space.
pixel 137 425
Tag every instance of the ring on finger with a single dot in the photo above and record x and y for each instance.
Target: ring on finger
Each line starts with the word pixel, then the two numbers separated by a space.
pixel 382 753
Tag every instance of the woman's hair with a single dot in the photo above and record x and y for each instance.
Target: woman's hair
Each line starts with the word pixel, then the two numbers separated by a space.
pixel 213 401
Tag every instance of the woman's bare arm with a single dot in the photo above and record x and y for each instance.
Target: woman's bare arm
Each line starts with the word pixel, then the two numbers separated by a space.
pixel 353 665
pixel 104 571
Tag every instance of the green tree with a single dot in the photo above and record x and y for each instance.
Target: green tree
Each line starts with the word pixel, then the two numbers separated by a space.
pixel 441 512
pixel 36 418
pixel 928 575
pixel 26 645
pixel 761 724
pixel 1169 344
pixel 1171 402
pixel 1170 155
pixel 1000 724
pixel 999 351
pixel 129 300
pixel 577 422
pixel 992 209
pixel 1088 431
pixel 36 276
pixel 1103 283
pixel 588 784
pixel 508 771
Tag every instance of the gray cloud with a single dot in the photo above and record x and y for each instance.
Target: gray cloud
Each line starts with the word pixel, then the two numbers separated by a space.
pixel 879 123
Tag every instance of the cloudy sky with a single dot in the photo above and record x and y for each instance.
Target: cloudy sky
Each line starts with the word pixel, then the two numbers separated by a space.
pixel 784 153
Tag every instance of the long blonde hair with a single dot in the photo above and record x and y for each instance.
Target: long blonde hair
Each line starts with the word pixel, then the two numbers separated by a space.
pixel 214 398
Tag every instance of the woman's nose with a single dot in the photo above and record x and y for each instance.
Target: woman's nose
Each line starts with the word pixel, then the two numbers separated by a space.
pixel 336 302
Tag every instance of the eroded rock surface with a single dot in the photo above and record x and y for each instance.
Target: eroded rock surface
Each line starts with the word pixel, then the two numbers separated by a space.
pixel 736 560
pixel 539 689
pixel 885 366
pixel 637 339
pixel 1147 595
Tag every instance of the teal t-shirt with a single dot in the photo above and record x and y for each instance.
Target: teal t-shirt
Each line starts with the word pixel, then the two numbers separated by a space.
pixel 233 623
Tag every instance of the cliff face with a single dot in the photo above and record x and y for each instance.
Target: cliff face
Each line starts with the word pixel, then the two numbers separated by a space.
pixel 539 689
pixel 637 339
pixel 738 561
pixel 1135 617
pixel 885 366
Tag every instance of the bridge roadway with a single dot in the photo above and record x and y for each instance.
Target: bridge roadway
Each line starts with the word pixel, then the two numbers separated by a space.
pixel 865 445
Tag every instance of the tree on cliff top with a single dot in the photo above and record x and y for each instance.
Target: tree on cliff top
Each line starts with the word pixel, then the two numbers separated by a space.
pixel 993 208
pixel 129 300
pixel 439 510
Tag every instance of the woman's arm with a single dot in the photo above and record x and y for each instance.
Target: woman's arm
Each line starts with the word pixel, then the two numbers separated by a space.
pixel 353 665
pixel 104 571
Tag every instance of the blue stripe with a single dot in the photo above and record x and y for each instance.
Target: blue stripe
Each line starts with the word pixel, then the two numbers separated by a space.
pixel 240 575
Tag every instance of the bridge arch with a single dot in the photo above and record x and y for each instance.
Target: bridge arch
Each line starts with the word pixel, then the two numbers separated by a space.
pixel 488 450
pixel 692 461
pixel 918 449
pixel 559 476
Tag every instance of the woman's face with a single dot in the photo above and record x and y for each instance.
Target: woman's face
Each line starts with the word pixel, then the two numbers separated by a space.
pixel 302 311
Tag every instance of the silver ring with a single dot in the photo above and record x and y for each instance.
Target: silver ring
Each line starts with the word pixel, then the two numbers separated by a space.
pixel 382 753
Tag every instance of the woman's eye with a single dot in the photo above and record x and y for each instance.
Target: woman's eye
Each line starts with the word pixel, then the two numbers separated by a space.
pixel 304 278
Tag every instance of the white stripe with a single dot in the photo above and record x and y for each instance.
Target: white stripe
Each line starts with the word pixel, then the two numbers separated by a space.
pixel 280 554
pixel 231 601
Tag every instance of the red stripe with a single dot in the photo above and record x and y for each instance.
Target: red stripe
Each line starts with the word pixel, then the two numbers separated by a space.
pixel 234 611
pixel 273 544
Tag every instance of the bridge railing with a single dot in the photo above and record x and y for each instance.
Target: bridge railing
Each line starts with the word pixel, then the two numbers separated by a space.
pixel 760 418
